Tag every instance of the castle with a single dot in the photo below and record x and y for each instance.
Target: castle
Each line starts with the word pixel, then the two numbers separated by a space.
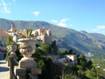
pixel 41 34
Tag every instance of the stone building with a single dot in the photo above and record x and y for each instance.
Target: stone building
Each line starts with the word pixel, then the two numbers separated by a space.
pixel 43 34
pixel 40 34
pixel 13 32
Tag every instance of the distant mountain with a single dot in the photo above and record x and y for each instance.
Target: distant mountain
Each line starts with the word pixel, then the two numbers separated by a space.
pixel 66 38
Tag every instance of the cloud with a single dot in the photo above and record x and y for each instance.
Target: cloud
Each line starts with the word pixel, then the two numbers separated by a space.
pixel 62 22
pixel 36 13
pixel 100 27
pixel 54 21
pixel 4 7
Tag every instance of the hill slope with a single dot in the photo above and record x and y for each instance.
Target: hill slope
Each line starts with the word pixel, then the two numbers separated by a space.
pixel 66 38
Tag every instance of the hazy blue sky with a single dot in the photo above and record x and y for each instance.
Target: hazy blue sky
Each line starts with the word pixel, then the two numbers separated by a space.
pixel 88 15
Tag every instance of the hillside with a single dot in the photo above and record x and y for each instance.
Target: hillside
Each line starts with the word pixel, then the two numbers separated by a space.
pixel 66 38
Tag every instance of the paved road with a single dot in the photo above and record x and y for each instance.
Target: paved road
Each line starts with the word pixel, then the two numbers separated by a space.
pixel 4 70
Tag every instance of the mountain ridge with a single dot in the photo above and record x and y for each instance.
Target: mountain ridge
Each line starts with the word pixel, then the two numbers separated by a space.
pixel 66 38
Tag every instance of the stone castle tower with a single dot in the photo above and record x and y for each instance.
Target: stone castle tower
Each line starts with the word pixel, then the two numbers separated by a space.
pixel 43 34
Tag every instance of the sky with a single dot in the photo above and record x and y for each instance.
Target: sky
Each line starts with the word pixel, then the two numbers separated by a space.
pixel 81 15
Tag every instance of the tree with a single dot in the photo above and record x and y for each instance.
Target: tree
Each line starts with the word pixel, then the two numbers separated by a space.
pixel 9 44
pixel 53 47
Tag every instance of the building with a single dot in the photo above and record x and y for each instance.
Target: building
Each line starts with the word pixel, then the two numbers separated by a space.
pixel 43 34
pixel 13 32
pixel 13 28
pixel 71 57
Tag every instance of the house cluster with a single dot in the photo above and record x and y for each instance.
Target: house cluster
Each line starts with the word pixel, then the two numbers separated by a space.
pixel 41 34
pixel 70 59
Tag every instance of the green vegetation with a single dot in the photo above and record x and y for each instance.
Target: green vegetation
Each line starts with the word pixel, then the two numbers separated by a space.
pixel 99 63
pixel 83 68
pixel 9 44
